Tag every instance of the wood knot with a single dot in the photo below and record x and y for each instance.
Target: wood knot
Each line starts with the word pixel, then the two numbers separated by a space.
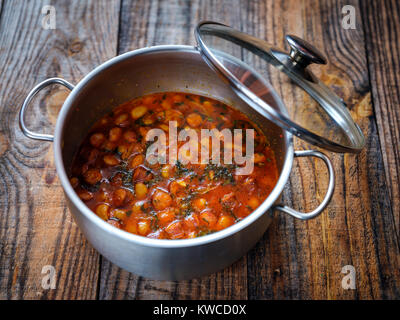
pixel 50 177
pixel 277 272
pixel 75 47
pixel 363 107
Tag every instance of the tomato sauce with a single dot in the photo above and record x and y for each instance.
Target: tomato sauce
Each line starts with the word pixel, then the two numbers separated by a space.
pixel 111 175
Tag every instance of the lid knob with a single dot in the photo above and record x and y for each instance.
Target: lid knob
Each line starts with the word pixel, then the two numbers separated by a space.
pixel 303 53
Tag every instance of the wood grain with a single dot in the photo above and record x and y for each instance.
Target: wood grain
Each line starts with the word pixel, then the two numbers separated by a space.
pixel 147 23
pixel 381 20
pixel 36 228
pixel 294 259
pixel 303 260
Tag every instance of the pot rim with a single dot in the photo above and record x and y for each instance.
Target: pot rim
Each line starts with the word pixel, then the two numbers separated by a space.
pixel 144 241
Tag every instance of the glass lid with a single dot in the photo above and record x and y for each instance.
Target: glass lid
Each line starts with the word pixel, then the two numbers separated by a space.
pixel 314 112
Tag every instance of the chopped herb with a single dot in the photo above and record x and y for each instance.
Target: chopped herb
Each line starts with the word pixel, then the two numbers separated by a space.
pixel 156 179
pixel 91 187
pixel 180 169
pixel 154 222
pixel 127 178
pixel 117 152
pixel 219 172
pixel 204 233
pixel 139 122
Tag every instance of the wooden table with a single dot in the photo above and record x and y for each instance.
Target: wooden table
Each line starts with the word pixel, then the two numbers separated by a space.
pixel 295 259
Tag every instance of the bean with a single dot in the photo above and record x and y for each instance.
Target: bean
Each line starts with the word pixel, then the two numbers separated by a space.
pixel 115 134
pixel 253 203
pixel 259 157
pixel 122 150
pixel 174 115
pixel 192 221
pixel 143 131
pixel 144 227
pixel 109 146
pixel 166 216
pixel 207 104
pixel 178 98
pixel 137 207
pixel 224 222
pixel 119 196
pixel 148 100
pixel 140 190
pixel 138 112
pixel 102 210
pixel 102 197
pixel 199 204
pixel 141 173
pixel 208 219
pixel 131 226
pixel 119 214
pixel 74 182
pixel 97 139
pixel 166 105
pixel 137 161
pixel 182 183
pixel 161 200
pixel 175 230
pixel 130 136
pixel 147 120
pixel 165 171
pixel 85 195
pixel 94 153
pixel 92 176
pixel 110 160
pixel 177 185
pixel 164 127
pixel 122 120
pixel 194 120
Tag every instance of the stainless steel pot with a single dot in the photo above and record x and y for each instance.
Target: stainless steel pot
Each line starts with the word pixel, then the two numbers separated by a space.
pixel 140 72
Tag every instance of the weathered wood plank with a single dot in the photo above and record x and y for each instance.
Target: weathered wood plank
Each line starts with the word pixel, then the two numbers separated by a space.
pixel 146 23
pixel 36 228
pixel 381 20
pixel 298 259
pixel 294 259
pixel 304 259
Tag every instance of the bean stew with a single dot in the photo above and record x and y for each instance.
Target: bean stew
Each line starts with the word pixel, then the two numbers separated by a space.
pixel 111 174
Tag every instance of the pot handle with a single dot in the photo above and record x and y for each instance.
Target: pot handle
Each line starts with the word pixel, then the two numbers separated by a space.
pixel 329 192
pixel 28 99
